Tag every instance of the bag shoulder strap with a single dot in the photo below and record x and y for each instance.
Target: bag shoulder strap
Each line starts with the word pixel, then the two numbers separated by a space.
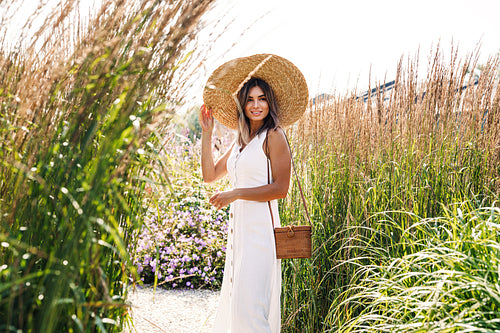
pixel 296 178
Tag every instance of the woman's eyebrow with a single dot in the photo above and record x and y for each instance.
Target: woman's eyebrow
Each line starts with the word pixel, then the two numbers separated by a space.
pixel 260 96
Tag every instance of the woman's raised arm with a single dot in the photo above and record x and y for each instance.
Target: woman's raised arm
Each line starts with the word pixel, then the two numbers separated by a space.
pixel 211 171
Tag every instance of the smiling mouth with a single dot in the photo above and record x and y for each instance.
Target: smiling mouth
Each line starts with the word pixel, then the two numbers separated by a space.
pixel 256 112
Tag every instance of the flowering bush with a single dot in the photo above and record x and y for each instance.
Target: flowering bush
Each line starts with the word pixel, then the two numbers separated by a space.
pixel 182 242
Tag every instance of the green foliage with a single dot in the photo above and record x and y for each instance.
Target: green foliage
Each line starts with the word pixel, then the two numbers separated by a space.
pixel 73 168
pixel 366 227
pixel 448 284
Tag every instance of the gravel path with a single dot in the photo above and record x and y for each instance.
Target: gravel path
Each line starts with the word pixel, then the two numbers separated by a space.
pixel 172 311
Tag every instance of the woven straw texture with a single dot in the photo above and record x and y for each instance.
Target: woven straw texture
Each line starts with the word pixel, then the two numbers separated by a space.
pixel 295 243
pixel 286 80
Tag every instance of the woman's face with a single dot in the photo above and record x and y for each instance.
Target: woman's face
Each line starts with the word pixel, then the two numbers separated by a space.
pixel 256 107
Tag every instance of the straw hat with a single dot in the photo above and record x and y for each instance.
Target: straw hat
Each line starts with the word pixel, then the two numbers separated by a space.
pixel 288 84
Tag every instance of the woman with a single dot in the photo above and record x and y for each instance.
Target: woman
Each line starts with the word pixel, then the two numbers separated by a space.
pixel 270 92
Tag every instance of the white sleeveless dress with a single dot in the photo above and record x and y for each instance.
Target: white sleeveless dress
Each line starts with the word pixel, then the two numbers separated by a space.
pixel 251 288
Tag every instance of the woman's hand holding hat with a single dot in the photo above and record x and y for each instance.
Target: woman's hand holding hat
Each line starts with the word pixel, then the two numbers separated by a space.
pixel 206 119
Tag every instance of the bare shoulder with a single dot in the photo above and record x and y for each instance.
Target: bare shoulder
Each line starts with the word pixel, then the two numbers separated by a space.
pixel 277 141
pixel 277 136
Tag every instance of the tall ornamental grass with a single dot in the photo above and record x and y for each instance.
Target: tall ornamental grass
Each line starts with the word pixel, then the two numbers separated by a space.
pixel 448 282
pixel 382 175
pixel 79 100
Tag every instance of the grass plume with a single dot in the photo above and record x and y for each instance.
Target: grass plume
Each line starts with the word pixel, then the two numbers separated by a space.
pixel 78 104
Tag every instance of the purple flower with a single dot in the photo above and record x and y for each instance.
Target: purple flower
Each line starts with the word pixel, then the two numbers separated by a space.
pixel 188 233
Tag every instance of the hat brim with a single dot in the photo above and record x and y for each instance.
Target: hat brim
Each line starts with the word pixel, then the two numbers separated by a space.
pixel 286 80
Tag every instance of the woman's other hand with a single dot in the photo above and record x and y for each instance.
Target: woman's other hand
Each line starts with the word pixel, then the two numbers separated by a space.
pixel 206 119
pixel 222 199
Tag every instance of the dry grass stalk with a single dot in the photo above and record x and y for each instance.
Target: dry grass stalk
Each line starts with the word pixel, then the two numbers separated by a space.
pixel 142 35
pixel 449 102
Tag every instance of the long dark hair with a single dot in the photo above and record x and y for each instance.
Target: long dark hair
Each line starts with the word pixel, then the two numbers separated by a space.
pixel 270 122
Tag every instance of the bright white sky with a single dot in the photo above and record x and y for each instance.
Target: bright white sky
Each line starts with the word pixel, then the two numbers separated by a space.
pixel 335 43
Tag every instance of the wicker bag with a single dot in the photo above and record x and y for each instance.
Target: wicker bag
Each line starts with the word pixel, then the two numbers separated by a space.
pixel 292 241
